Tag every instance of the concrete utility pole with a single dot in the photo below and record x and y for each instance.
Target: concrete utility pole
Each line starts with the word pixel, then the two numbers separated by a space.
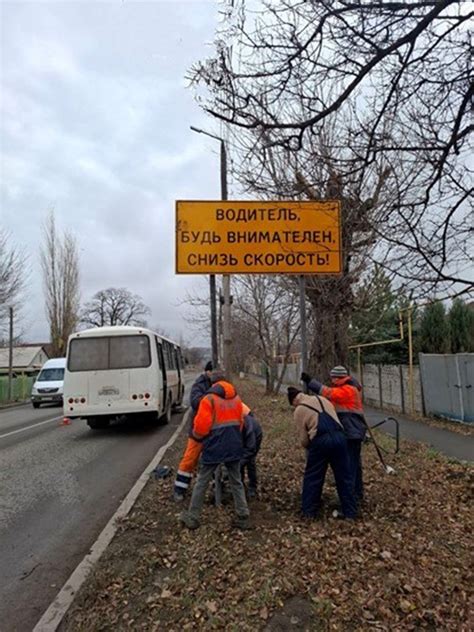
pixel 226 278
pixel 10 356
pixel 227 299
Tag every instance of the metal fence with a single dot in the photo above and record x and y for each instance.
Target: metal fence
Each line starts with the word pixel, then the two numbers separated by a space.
pixel 442 385
pixel 21 388
pixel 448 385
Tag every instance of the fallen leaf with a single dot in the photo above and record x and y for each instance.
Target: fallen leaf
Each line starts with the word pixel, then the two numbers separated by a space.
pixel 406 606
pixel 264 613
pixel 211 606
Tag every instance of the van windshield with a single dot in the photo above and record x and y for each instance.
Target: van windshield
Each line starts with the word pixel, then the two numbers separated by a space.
pixel 51 375
pixel 109 352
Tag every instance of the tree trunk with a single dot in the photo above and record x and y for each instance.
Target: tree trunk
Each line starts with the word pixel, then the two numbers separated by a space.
pixel 328 342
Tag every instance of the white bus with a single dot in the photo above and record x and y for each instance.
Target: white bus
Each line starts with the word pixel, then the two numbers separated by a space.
pixel 112 371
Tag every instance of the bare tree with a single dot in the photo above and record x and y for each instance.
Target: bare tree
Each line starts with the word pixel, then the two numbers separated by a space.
pixel 393 78
pixel 114 306
pixel 266 312
pixel 366 103
pixel 60 264
pixel 13 273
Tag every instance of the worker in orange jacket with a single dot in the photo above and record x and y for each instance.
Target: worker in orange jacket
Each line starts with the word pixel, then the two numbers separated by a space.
pixel 219 426
pixel 345 393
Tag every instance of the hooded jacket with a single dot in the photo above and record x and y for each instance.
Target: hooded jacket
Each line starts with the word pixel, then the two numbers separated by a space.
pixel 346 395
pixel 219 424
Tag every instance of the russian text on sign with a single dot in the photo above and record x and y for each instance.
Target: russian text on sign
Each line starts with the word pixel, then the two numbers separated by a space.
pixel 215 237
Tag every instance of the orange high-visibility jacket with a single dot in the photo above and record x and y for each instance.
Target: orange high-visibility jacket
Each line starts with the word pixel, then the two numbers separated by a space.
pixel 219 424
pixel 346 396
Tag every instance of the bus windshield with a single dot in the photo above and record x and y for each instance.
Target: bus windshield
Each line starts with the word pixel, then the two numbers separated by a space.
pixel 109 352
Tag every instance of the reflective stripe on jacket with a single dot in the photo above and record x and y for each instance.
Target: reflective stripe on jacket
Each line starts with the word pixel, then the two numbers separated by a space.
pixel 219 424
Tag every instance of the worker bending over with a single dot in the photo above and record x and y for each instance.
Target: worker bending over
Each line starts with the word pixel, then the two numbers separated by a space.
pixel 322 435
pixel 219 426
pixel 345 393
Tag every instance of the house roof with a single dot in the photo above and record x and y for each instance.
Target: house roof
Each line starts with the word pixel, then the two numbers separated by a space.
pixel 22 356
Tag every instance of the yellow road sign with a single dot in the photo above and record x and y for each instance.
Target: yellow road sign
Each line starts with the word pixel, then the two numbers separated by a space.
pixel 249 237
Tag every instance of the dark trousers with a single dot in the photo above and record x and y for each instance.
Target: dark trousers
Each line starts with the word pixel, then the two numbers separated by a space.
pixel 328 449
pixel 355 464
pixel 250 466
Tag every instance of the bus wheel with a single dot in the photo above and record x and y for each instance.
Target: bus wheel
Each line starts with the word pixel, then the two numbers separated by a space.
pixel 166 416
pixel 97 423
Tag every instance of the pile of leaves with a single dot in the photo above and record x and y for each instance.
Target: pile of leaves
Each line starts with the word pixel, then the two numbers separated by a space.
pixel 403 566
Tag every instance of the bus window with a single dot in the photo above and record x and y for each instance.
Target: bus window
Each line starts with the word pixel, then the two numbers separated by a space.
pixel 88 354
pixel 129 352
pixel 168 355
pixel 178 358
pixel 114 352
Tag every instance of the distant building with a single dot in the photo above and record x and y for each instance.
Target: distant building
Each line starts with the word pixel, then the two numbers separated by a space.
pixel 27 359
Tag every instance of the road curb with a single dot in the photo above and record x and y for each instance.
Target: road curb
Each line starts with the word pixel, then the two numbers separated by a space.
pixel 10 405
pixel 57 609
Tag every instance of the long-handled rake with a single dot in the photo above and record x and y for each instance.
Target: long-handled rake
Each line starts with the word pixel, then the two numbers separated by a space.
pixel 388 468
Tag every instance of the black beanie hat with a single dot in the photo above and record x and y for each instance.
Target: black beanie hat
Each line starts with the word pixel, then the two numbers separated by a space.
pixel 208 366
pixel 292 393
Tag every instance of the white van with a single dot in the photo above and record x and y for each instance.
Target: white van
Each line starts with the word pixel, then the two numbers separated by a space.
pixel 122 370
pixel 49 384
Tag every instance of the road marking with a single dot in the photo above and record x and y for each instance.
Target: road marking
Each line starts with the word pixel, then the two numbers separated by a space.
pixel 53 616
pixel 40 423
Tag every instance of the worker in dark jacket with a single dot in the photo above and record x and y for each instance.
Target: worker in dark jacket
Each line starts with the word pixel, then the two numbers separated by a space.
pixel 345 393
pixel 219 426
pixel 252 443
pixel 322 435
pixel 190 458
pixel 200 387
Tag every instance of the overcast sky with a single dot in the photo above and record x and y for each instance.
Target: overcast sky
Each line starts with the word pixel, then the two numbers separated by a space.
pixel 95 124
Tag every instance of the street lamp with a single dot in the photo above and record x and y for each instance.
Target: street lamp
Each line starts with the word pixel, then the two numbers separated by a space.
pixel 225 277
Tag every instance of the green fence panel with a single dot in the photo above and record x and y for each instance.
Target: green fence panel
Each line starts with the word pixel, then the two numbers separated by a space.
pixel 21 388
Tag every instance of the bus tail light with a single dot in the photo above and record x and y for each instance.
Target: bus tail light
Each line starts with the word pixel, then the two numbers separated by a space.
pixel 70 400
pixel 134 396
pixel 147 395
pixel 83 400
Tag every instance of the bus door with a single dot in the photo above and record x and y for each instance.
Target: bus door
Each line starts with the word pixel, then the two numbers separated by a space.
pixel 179 368
pixel 161 361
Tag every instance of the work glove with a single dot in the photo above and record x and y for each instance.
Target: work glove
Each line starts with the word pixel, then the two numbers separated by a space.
pixel 305 377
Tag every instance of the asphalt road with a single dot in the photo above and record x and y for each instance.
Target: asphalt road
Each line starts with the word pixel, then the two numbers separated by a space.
pixel 59 486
